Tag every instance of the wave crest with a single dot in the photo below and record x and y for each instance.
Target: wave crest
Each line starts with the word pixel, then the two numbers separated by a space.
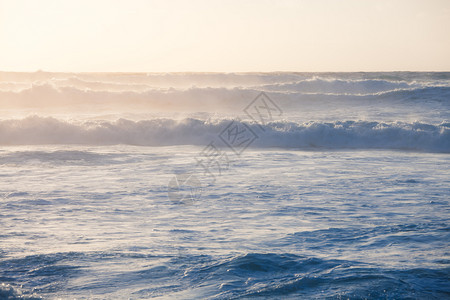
pixel 414 136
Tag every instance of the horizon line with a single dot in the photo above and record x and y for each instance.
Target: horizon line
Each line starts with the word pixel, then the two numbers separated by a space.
pixel 222 72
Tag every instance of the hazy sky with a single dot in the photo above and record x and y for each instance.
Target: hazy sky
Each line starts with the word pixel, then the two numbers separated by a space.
pixel 228 35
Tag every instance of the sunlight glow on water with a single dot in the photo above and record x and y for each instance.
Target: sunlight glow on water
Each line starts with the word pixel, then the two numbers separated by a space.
pixel 342 196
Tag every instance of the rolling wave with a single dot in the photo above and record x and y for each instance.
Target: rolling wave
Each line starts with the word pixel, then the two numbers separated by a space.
pixel 339 86
pixel 50 97
pixel 215 91
pixel 414 136
pixel 270 275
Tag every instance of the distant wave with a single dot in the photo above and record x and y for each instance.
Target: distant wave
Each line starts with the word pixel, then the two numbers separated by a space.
pixel 117 97
pixel 215 89
pixel 340 86
pixel 311 85
pixel 50 96
pixel 414 136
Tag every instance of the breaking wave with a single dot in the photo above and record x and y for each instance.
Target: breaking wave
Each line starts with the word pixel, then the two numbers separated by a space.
pixel 415 136
pixel 202 91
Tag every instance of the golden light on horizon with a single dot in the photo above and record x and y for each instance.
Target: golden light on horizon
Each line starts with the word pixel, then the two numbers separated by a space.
pixel 229 36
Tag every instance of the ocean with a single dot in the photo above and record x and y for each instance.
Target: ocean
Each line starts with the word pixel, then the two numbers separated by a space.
pixel 225 185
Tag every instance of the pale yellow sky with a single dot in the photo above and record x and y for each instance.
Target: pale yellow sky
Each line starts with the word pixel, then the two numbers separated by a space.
pixel 224 36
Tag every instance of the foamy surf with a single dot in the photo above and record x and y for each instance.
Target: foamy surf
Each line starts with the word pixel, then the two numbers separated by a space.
pixel 110 187
pixel 415 136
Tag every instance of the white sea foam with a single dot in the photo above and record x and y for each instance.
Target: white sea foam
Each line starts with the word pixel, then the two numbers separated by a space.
pixel 163 132
pixel 86 208
pixel 44 88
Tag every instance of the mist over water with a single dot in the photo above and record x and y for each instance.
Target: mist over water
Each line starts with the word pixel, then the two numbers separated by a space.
pixel 359 110
pixel 91 93
pixel 342 193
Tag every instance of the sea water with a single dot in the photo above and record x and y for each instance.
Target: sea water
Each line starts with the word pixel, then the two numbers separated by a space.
pixel 224 186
